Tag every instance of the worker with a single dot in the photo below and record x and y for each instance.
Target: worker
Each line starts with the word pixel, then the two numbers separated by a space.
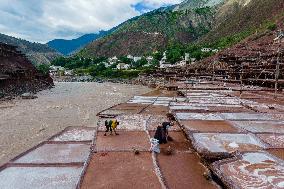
pixel 108 125
pixel 114 125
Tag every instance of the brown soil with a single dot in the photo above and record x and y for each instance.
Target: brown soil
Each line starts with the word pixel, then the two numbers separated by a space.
pixel 183 170
pixel 125 141
pixel 277 152
pixel 209 126
pixel 121 170
pixel 179 143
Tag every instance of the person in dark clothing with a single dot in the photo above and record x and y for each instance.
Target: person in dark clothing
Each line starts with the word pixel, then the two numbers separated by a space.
pixel 160 135
pixel 108 127
pixel 166 126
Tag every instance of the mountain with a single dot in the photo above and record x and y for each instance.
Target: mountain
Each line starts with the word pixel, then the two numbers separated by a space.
pixel 192 21
pixel 153 31
pixel 18 75
pixel 68 47
pixel 236 16
pixel 36 52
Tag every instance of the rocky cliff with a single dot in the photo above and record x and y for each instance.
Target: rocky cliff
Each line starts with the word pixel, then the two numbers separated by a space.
pixel 18 75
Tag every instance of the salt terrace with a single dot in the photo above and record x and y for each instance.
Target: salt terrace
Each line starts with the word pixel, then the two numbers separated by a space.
pixel 221 137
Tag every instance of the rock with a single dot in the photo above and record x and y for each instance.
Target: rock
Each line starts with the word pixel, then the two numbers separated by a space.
pixel 169 151
pixel 207 175
pixel 28 96
pixel 136 151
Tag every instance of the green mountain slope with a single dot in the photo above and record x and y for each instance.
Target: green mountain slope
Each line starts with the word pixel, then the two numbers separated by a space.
pixel 36 52
pixel 224 22
pixel 154 30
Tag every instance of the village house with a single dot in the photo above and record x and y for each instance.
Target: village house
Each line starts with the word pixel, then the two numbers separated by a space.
pixel 56 70
pixel 106 64
pixel 209 50
pixel 130 57
pixel 206 49
pixel 167 65
pixel 113 60
pixel 137 58
pixel 122 66
pixel 149 59
pixel 186 57
pixel 181 63
pixel 163 60
pixel 280 37
pixel 68 72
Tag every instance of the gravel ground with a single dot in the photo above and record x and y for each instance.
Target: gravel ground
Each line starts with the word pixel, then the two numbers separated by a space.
pixel 25 123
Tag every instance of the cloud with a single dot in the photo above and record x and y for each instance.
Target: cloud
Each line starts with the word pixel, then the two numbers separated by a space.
pixel 43 20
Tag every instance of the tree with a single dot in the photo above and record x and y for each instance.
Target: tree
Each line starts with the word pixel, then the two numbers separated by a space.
pixel 158 55
pixel 140 63
pixel 125 60
pixel 174 55
pixel 43 68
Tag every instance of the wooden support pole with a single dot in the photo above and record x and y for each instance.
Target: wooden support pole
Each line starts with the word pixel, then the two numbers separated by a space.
pixel 277 72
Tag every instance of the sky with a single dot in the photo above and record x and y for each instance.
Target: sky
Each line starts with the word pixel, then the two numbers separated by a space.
pixel 44 20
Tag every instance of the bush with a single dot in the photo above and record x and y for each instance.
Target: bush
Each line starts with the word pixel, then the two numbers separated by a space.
pixel 43 68
pixel 271 26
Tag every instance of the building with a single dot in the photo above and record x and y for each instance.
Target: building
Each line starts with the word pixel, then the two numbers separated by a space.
pixel 167 65
pixel 122 66
pixel 186 57
pixel 280 37
pixel 130 57
pixel 113 60
pixel 137 58
pixel 181 63
pixel 149 59
pixel 209 50
pixel 107 65
pixel 69 72
pixel 56 70
pixel 206 50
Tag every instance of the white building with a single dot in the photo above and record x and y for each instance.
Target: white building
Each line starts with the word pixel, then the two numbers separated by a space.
pixel 113 60
pixel 167 65
pixel 209 50
pixel 149 59
pixel 280 37
pixel 206 50
pixel 186 57
pixel 181 63
pixel 123 66
pixel 68 72
pixel 130 57
pixel 107 65
pixel 192 60
pixel 56 70
pixel 137 58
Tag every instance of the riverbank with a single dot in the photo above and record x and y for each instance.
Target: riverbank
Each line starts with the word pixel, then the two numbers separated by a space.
pixel 25 123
